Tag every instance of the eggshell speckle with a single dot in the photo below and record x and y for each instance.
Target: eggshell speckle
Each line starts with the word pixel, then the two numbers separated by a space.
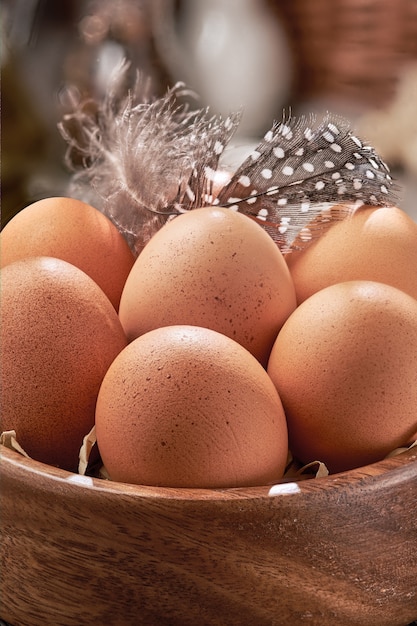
pixel 59 334
pixel 214 268
pixel 345 367
pixel 375 243
pixel 184 406
pixel 73 231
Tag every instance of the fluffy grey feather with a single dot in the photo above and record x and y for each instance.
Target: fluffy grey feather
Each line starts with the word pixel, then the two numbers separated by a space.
pixel 140 160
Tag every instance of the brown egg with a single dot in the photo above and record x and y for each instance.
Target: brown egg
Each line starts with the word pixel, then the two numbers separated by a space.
pixel 184 406
pixel 76 232
pixel 345 367
pixel 214 268
pixel 375 243
pixel 59 334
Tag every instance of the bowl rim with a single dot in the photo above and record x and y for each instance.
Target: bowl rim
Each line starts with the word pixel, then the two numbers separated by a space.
pixel 21 467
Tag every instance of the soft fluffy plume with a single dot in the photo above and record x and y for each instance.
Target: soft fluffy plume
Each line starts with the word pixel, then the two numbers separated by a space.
pixel 140 159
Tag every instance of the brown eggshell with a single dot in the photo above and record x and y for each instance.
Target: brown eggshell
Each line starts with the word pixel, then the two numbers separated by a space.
pixel 76 232
pixel 59 334
pixel 345 366
pixel 375 243
pixel 214 268
pixel 184 406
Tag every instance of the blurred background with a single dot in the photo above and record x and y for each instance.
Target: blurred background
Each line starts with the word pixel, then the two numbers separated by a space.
pixel 357 58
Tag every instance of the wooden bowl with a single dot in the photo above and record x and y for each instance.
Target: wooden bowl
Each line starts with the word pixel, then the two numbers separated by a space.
pixel 332 551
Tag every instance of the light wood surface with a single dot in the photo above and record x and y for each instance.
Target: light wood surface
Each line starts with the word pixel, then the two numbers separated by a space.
pixel 336 550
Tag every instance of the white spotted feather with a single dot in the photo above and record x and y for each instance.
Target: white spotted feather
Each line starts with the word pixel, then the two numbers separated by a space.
pixel 299 170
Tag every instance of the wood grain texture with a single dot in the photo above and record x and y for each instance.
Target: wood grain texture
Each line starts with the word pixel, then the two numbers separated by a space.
pixel 340 550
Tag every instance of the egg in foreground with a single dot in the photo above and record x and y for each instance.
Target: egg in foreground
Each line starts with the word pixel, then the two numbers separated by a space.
pixel 214 268
pixel 345 367
pixel 59 334
pixel 75 232
pixel 185 406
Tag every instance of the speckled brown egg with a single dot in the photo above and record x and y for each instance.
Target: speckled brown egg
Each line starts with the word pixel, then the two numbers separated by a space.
pixel 74 231
pixel 345 367
pixel 185 406
pixel 59 334
pixel 375 243
pixel 214 268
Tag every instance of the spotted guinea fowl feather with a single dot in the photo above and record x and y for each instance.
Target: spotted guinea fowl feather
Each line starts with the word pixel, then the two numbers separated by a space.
pixel 299 170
